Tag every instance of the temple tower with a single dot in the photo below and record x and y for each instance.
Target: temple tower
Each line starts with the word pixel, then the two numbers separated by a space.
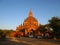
pixel 30 23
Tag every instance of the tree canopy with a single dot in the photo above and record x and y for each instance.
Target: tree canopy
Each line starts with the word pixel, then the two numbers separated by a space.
pixel 54 22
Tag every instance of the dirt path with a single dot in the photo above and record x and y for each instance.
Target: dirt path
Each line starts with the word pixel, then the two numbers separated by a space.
pixel 33 41
pixel 27 41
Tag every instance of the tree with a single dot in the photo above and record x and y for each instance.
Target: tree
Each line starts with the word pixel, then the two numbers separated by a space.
pixel 0 31
pixel 55 24
pixel 41 28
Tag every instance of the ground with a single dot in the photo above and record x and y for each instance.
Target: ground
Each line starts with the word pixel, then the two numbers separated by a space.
pixel 29 41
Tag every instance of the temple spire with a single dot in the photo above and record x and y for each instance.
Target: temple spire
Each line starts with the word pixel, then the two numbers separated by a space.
pixel 30 13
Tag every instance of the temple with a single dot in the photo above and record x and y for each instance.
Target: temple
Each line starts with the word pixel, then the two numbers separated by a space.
pixel 29 25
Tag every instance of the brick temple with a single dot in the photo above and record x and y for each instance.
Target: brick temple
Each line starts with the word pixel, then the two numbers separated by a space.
pixel 29 25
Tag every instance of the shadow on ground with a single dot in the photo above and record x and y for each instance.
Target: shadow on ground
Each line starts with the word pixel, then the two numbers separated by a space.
pixel 33 40
pixel 51 41
pixel 8 42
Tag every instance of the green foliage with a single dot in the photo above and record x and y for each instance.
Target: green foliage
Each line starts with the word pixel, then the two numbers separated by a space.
pixel 55 24
pixel 41 28
pixel 0 31
pixel 44 28
pixel 6 31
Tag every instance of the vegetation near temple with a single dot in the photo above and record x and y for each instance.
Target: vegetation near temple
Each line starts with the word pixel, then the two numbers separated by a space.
pixel 6 31
pixel 54 22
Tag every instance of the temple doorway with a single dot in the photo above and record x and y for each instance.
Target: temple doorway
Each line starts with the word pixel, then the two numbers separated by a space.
pixel 31 33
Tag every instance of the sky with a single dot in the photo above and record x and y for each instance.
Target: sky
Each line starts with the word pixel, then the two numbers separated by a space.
pixel 14 12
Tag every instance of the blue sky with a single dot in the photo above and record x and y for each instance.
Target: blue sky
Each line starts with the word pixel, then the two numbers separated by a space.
pixel 13 12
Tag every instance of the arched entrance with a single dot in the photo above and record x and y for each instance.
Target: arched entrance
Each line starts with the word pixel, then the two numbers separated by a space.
pixel 31 33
